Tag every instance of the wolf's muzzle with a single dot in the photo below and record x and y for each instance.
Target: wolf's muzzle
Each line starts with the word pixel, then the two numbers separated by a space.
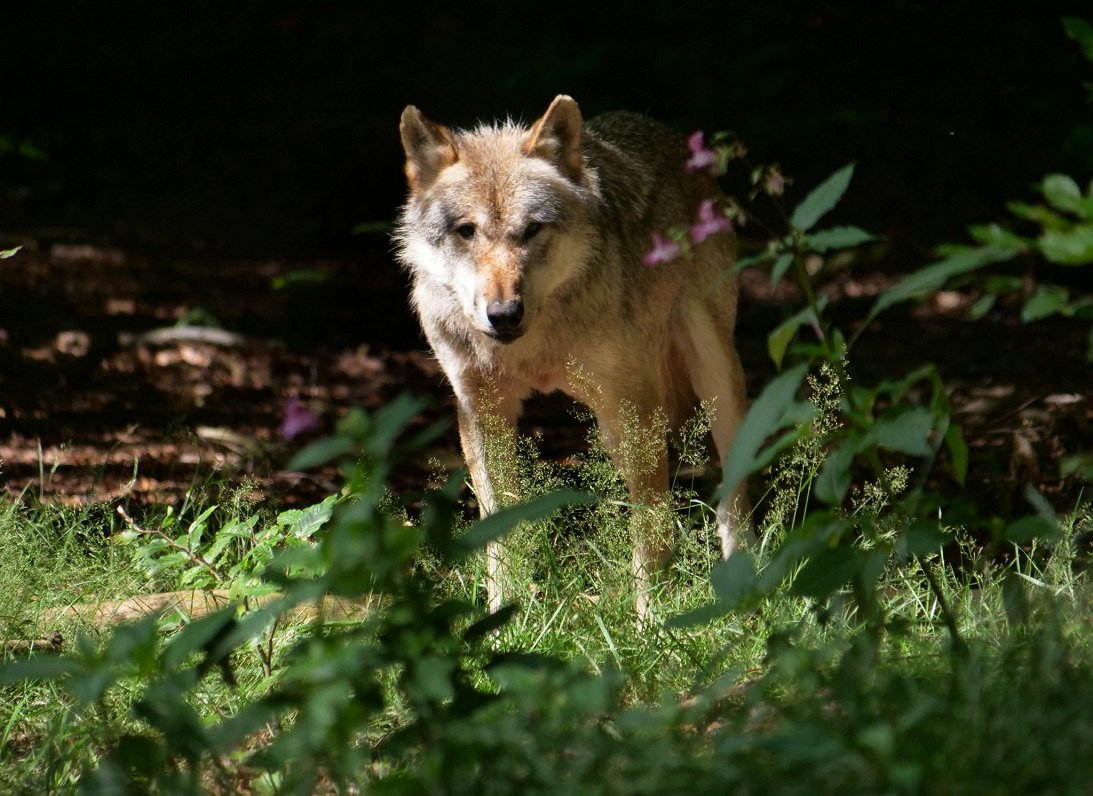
pixel 505 318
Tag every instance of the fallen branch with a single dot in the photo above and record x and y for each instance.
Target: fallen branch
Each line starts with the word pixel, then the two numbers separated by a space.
pixel 26 646
pixel 196 603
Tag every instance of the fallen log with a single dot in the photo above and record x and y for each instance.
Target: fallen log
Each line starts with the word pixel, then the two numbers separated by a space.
pixel 196 603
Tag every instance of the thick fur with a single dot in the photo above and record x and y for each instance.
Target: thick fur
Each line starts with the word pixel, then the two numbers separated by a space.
pixel 525 250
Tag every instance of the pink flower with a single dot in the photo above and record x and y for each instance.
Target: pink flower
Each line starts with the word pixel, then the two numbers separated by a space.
pixel 664 251
pixel 701 157
pixel 710 222
pixel 298 419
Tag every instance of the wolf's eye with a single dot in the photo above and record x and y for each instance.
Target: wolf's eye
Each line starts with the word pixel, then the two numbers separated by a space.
pixel 532 230
pixel 465 231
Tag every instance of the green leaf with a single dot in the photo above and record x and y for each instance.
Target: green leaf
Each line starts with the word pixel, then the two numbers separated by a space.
pixel 1015 600
pixel 781 265
pixel 390 421
pixel 433 677
pixel 765 416
pixel 1024 529
pixel 1062 193
pixel 489 623
pixel 1038 214
pixel 838 238
pixel 958 450
pixel 778 340
pixel 1068 247
pixel 920 538
pixel 40 667
pixel 1081 30
pixel 907 432
pixel 734 580
pixel 307 521
pixel 197 635
pixel 6 253
pixel 826 572
pixel 702 615
pixel 982 306
pixel 995 235
pixel 498 524
pixel 753 261
pixel 833 481
pixel 934 276
pixel 822 198
pixel 322 451
pixel 1047 300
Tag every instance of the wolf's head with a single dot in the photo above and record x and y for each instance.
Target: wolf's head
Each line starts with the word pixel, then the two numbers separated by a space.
pixel 496 216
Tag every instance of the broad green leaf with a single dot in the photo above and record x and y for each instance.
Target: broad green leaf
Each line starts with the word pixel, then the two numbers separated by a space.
pixel 195 636
pixel 322 451
pixel 498 524
pixel 1068 247
pixel 433 677
pixel 779 339
pixel 40 667
pixel 1039 214
pixel 833 480
pixel 765 416
pixel 826 572
pixel 1062 193
pixel 982 306
pixel 1015 600
pixel 822 199
pixel 702 615
pixel 753 261
pixel 907 432
pixel 1047 300
pixel 781 265
pixel 838 238
pixel 1081 30
pixel 734 580
pixel 995 235
pixel 1079 465
pixel 390 421
pixel 6 253
pixel 934 276
pixel 820 530
pixel 958 450
pixel 920 538
pixel 489 623
pixel 1024 529
pixel 311 519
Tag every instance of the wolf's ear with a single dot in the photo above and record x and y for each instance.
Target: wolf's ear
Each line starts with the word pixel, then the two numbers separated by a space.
pixel 557 137
pixel 429 148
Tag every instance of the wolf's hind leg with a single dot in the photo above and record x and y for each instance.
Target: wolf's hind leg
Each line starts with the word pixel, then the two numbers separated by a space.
pixel 718 378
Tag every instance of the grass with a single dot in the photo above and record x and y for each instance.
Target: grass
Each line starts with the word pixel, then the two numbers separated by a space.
pixel 790 696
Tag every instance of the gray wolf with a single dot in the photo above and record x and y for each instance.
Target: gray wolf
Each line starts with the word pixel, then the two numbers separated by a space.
pixel 525 248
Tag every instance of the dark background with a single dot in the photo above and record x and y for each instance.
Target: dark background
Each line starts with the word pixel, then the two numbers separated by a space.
pixel 171 162
pixel 264 128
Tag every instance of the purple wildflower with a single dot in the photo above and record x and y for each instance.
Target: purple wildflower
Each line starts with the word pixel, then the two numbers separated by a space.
pixel 710 222
pixel 298 419
pixel 701 157
pixel 664 251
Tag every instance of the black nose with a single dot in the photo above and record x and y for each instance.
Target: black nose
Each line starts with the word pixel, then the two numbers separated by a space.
pixel 505 317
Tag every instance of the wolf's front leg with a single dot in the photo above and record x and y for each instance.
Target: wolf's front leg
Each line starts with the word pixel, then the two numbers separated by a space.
pixel 487 432
pixel 636 440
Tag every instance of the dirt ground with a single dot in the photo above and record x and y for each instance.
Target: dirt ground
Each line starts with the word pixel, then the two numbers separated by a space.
pixel 105 397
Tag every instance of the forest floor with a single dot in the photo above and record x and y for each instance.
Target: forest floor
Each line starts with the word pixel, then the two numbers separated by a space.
pixel 107 395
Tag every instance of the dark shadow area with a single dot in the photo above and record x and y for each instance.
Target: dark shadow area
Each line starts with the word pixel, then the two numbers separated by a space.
pixel 210 161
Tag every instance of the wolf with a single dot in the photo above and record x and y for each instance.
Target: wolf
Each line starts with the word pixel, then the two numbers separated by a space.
pixel 525 246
